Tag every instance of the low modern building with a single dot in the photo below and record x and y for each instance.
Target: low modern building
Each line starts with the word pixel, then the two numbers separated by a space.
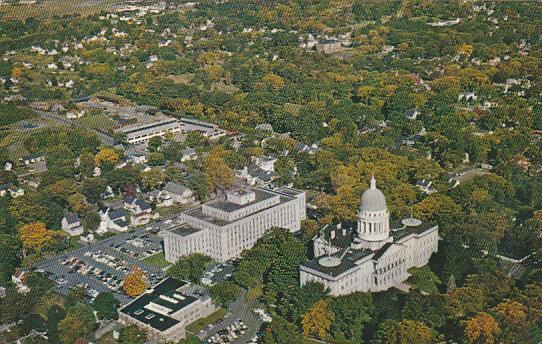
pixel 223 228
pixel 141 132
pixel 165 310
pixel 209 130
pixel 374 255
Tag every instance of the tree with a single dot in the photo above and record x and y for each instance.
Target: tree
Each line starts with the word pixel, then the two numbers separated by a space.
pixel 225 293
pixel 190 268
pixel 464 301
pixel 482 329
pixel 34 236
pixel 134 283
pixel 153 178
pixel 352 313
pixel 86 163
pixel 317 322
pixel 219 175
pixel 424 279
pixel 106 155
pixel 79 322
pixel 404 332
pixel 281 332
pixel 132 335
pixel 9 257
pixel 106 305
pixel 428 309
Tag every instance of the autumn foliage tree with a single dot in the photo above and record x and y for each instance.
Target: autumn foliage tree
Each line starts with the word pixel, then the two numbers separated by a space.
pixel 106 155
pixel 317 321
pixel 219 175
pixel 482 329
pixel 34 236
pixel 134 283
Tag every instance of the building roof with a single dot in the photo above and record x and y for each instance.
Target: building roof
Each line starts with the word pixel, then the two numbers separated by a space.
pixel 176 188
pixel 121 223
pixel 259 173
pixel 373 199
pixel 164 297
pixel 351 258
pixel 72 218
pixel 115 213
pixel 226 206
pixel 142 204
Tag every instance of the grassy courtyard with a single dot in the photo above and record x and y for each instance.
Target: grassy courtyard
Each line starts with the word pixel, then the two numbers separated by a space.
pixel 158 260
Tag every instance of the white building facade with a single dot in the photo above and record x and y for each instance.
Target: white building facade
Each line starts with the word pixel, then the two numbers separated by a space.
pixel 374 256
pixel 223 228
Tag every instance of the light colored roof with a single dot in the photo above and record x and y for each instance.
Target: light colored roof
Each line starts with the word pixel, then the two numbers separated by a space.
pixel 373 199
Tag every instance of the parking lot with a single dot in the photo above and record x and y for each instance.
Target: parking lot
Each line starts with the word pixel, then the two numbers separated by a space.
pixel 218 273
pixel 101 266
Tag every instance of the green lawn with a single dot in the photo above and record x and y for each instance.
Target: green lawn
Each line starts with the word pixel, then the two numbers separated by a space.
pixel 158 260
pixel 169 211
pixel 200 324
pixel 103 122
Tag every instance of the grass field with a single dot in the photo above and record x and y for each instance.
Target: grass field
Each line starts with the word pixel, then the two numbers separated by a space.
pixel 49 8
pixel 200 324
pixel 102 122
pixel 157 260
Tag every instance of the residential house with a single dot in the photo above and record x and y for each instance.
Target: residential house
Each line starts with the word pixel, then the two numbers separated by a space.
pixel 19 278
pixel 426 186
pixel 304 148
pixel 189 154
pixel 254 175
pixel 4 189
pixel 31 159
pixel 412 114
pixel 178 193
pixel 8 166
pixel 72 225
pixel 266 163
pixel 16 191
pixel 112 219
pixel 141 211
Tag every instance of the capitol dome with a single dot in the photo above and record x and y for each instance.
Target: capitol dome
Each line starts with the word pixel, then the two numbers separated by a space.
pixel 373 199
pixel 373 218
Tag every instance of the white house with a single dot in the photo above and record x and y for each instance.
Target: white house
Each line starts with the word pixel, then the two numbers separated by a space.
pixel 266 163
pixel 72 225
pixel 19 278
pixel 112 219
pixel 189 154
pixel 178 193
pixel 141 211
pixel 426 186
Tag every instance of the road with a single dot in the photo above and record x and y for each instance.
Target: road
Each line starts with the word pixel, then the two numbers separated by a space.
pixel 240 309
pixel 105 138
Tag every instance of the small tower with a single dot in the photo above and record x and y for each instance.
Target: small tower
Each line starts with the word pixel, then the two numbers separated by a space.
pixel 373 219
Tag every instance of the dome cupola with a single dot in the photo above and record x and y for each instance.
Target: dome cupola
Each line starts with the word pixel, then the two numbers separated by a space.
pixel 373 217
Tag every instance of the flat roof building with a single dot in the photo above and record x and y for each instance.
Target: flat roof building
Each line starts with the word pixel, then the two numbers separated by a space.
pixel 141 132
pixel 165 311
pixel 223 228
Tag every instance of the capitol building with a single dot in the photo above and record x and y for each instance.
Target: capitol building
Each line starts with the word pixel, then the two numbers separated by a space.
pixel 374 255
pixel 223 228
